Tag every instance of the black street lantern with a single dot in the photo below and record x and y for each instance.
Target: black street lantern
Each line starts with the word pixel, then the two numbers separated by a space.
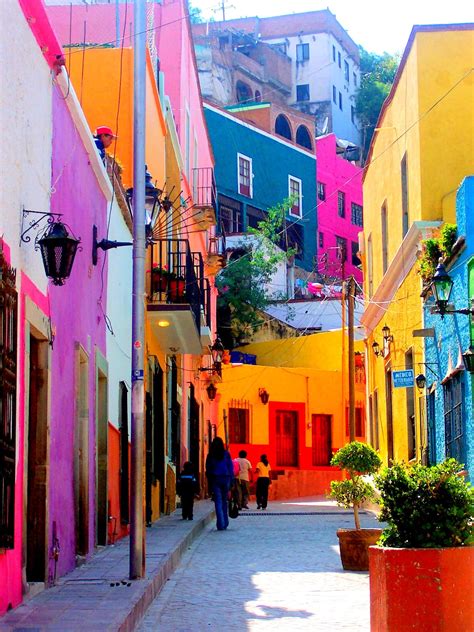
pixel 420 381
pixel 58 249
pixel 217 351
pixel 211 392
pixel 468 357
pixel 441 285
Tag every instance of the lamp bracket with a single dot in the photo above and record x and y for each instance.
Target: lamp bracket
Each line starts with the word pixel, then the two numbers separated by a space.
pixel 104 244
pixel 468 311
pixel 428 365
pixel 35 223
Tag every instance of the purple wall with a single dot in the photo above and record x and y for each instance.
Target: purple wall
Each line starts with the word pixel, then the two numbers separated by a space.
pixel 76 318
pixel 338 175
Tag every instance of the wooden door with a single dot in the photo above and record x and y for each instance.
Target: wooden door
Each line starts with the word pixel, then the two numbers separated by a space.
pixel 322 439
pixel 287 438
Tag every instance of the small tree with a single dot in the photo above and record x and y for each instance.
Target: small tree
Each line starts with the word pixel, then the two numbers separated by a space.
pixel 243 285
pixel 356 459
pixel 425 506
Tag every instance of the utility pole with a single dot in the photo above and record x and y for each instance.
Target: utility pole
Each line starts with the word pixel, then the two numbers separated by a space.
pixel 137 531
pixel 350 331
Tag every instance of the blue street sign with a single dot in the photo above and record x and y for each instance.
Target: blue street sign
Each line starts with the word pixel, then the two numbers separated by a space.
pixel 403 379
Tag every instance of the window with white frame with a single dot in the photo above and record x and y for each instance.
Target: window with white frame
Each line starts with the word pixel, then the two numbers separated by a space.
pixel 302 52
pixel 294 191
pixel 244 174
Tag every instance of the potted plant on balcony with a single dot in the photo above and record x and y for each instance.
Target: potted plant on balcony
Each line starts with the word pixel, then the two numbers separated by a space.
pixel 356 459
pixel 422 571
pixel 169 283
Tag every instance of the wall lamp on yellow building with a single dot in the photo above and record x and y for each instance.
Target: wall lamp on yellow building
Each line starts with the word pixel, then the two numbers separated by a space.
pixel 264 395
pixel 387 336
pixel 376 349
pixel 211 392
pixel 441 286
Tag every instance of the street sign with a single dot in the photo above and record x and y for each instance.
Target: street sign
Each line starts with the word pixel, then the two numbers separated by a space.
pixel 403 379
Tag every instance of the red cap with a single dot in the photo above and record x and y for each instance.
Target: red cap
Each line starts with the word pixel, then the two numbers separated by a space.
pixel 104 130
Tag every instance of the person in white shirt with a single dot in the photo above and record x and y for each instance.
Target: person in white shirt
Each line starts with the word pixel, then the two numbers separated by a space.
pixel 243 480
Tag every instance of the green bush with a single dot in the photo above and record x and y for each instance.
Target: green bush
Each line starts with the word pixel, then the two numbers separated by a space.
pixel 425 507
pixel 357 459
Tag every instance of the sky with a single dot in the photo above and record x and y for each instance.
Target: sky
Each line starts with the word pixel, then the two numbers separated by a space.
pixel 378 25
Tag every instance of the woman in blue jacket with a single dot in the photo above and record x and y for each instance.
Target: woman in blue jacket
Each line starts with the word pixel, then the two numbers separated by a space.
pixel 220 474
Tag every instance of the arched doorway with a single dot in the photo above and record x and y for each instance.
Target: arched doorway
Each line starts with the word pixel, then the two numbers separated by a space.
pixel 282 127
pixel 303 137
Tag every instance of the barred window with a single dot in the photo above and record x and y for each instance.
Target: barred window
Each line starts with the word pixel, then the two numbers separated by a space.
pixel 321 191
pixel 357 214
pixel 341 203
pixel 239 419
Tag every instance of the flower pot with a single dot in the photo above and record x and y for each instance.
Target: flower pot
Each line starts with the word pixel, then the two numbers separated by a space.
pixel 354 547
pixel 426 590
pixel 176 290
pixel 158 282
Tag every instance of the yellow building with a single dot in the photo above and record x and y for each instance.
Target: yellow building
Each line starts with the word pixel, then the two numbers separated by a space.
pixel 420 152
pixel 292 405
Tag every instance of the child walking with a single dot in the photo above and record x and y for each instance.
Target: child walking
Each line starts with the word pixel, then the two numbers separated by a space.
pixel 187 487
pixel 263 481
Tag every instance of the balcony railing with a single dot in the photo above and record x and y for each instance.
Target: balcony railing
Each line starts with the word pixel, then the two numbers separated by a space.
pixel 177 276
pixel 204 188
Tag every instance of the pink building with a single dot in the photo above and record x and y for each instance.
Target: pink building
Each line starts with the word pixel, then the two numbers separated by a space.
pixel 340 212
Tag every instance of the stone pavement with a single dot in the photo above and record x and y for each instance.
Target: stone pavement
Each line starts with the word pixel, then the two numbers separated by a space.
pixel 84 600
pixel 272 570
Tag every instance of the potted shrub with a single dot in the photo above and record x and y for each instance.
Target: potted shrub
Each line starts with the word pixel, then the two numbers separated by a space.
pixel 356 459
pixel 165 282
pixel 421 574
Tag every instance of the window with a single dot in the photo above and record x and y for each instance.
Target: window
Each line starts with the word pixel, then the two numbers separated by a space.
pixel 383 218
pixel 8 374
pixel 230 215
pixel 340 101
pixel 294 191
pixel 302 52
pixel 245 175
pixel 357 214
pixel 453 417
pixel 334 94
pixel 282 127
pixel 339 59
pixel 355 253
pixel 370 265
pixel 321 191
pixel 346 71
pixel 341 203
pixel 294 239
pixel 353 114
pixel 303 137
pixel 243 92
pixel 334 53
pixel 354 78
pixel 239 425
pixel 302 92
pixel 321 240
pixel 341 244
pixel 404 183
pixel 254 216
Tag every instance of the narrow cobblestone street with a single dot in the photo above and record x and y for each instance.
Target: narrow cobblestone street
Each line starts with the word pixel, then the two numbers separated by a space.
pixel 267 571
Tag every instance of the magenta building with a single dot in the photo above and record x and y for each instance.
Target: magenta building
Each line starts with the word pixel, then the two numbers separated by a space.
pixel 340 212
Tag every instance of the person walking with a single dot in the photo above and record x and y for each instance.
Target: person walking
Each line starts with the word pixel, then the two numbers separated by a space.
pixel 263 482
pixel 220 474
pixel 187 487
pixel 243 480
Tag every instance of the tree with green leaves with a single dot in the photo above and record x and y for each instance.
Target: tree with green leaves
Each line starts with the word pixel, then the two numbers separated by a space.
pixel 195 14
pixel 243 285
pixel 377 75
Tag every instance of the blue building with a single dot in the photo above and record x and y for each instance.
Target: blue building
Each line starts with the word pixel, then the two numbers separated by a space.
pixel 254 171
pixel 449 385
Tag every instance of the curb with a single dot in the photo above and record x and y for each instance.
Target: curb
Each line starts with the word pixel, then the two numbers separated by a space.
pixel 155 584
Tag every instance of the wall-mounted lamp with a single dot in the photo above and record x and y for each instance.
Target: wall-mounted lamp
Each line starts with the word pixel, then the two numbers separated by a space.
pixel 376 349
pixel 264 395
pixel 104 244
pixel 441 286
pixel 420 381
pixel 468 358
pixel 387 336
pixel 211 392
pixel 217 353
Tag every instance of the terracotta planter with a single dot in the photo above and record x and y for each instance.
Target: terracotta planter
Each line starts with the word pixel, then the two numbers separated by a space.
pixel 158 282
pixel 354 547
pixel 422 590
pixel 176 290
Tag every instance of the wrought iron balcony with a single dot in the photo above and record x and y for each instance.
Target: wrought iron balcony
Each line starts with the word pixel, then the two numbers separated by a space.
pixel 176 293
pixel 204 197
